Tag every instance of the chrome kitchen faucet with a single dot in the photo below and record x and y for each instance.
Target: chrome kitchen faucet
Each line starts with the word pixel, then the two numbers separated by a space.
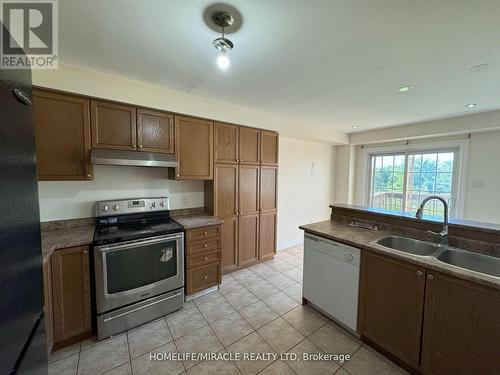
pixel 443 235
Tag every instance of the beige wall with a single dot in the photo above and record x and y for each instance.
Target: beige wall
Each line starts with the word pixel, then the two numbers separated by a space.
pixel 305 182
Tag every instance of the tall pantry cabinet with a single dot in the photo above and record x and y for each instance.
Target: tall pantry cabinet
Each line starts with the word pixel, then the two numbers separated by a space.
pixel 244 193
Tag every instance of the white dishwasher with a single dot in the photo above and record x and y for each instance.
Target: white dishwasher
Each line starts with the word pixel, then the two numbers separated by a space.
pixel 331 278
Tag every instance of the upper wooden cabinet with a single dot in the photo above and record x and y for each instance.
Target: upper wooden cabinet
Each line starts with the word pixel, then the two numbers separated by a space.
pixel 269 145
pixel 62 125
pixel 193 148
pixel 225 190
pixel 113 126
pixel 155 131
pixel 391 305
pixel 461 327
pixel 249 145
pixel 248 187
pixel 225 143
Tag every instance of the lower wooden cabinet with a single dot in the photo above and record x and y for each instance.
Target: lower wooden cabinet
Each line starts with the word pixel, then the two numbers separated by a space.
pixel 267 235
pixel 248 239
pixel 461 327
pixel 229 243
pixel 70 292
pixel 203 258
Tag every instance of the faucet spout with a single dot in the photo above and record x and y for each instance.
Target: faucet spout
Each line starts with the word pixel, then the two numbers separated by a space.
pixel 420 213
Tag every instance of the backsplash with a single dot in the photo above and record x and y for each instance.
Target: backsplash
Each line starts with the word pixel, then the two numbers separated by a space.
pixel 75 199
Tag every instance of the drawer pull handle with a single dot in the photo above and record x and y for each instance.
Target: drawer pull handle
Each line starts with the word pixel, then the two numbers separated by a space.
pixel 206 233
pixel 206 277
pixel 206 245
pixel 206 258
pixel 419 273
pixel 430 277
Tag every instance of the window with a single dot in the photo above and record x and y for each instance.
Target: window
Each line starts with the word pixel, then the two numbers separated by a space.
pixel 400 181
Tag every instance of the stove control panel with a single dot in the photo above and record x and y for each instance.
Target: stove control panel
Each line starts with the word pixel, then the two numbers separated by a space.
pixel 130 206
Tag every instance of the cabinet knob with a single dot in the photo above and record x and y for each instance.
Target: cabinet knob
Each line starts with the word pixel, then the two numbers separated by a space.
pixel 206 258
pixel 89 175
pixel 140 147
pixel 85 251
pixel 177 175
pixel 206 233
pixel 205 245
pixel 206 277
pixel 430 277
pixel 419 273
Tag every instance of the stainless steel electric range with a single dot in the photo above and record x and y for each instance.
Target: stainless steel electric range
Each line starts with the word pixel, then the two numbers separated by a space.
pixel 138 262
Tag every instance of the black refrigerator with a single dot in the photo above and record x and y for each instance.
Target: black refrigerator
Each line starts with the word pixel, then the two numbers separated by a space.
pixel 22 333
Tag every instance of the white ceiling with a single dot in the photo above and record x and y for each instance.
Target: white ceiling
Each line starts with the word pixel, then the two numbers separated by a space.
pixel 324 62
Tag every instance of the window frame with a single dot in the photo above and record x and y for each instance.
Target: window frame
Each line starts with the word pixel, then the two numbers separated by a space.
pixel 460 165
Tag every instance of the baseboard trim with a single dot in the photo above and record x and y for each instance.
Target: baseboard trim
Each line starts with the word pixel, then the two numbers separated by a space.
pixel 289 243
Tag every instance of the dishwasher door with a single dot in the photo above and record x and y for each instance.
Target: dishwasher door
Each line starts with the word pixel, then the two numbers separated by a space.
pixel 331 278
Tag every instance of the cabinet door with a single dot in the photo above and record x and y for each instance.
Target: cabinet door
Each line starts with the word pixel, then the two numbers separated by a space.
pixel 155 131
pixel 268 188
pixel 248 239
pixel 391 305
pixel 194 148
pixel 62 128
pixel 461 327
pixel 70 295
pixel 225 143
pixel 269 142
pixel 248 187
pixel 113 126
pixel 267 235
pixel 225 190
pixel 249 145
pixel 229 243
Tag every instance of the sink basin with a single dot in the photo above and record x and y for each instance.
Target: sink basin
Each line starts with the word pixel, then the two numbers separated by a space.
pixel 408 245
pixel 471 261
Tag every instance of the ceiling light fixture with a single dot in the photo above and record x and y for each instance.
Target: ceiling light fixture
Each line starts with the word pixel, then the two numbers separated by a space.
pixel 405 89
pixel 471 105
pixel 222 44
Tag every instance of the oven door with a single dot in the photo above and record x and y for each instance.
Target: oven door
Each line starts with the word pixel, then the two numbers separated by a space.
pixel 132 271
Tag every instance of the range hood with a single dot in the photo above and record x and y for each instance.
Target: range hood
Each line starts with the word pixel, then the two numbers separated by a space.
pixel 132 158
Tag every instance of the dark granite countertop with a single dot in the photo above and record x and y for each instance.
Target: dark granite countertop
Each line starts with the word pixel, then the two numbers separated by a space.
pixel 363 238
pixel 197 221
pixel 53 239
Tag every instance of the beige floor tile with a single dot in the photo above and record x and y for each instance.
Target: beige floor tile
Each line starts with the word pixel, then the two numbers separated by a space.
pixel 258 314
pixel 214 368
pixel 125 369
pixel 104 356
pixel 215 308
pixel 241 298
pixel 207 297
pixel 231 328
pixel 277 368
pixel 262 289
pixel 310 367
pixel 281 281
pixel 279 265
pixel 184 322
pixel 294 274
pixel 365 362
pixel 281 254
pixel 305 319
pixel 203 340
pixel 187 305
pixel 229 286
pixel 280 302
pixel 64 352
pixel 266 271
pixel 332 339
pixel 280 335
pixel 246 276
pixel 143 365
pixel 294 260
pixel 252 343
pixel 147 337
pixel 294 291
pixel 341 371
pixel 65 366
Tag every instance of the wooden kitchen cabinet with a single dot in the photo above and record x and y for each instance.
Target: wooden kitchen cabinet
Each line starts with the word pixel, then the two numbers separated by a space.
pixel 269 145
pixel 155 131
pixel 267 235
pixel 249 188
pixel 70 295
pixel 226 143
pixel 391 305
pixel 229 243
pixel 194 149
pixel 62 130
pixel 461 327
pixel 249 145
pixel 248 239
pixel 268 189
pixel 114 126
pixel 226 190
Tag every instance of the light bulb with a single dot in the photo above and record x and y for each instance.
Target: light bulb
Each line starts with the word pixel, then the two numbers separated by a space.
pixel 223 61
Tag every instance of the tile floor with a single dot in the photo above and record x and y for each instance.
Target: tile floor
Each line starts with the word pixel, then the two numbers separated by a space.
pixel 255 310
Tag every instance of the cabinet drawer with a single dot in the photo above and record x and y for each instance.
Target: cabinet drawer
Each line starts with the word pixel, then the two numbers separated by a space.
pixel 203 277
pixel 203 258
pixel 201 233
pixel 202 246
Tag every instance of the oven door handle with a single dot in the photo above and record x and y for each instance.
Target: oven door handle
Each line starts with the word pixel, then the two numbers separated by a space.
pixel 137 243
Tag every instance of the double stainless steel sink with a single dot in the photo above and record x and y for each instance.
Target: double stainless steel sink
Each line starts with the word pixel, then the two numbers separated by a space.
pixel 456 257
